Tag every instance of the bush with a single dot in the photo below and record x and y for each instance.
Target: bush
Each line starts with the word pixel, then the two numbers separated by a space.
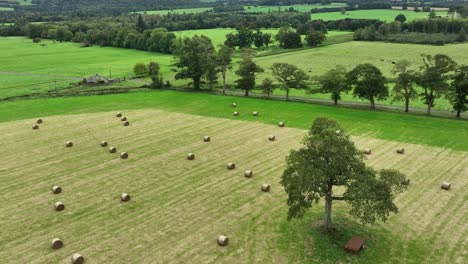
pixel 140 70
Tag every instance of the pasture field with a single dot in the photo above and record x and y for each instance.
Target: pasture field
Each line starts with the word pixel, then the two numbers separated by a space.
pixel 178 11
pixel 300 8
pixel 387 15
pixel 436 132
pixel 6 9
pixel 179 207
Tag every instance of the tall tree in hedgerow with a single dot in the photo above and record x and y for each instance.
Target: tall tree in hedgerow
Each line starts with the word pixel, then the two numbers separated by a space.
pixel 433 78
pixel 247 70
pixel 334 82
pixel 267 86
pixel 290 76
pixel 224 57
pixel 459 90
pixel 404 84
pixel 368 83
pixel 330 159
pixel 193 58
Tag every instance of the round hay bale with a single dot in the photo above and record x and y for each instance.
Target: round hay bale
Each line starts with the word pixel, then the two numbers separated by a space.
pixel 119 114
pixel 367 151
pixel 190 156
pixel 123 118
pixel 231 166
pixel 248 173
pixel 126 123
pixel 125 197
pixel 206 139
pixel 234 105
pixel 104 143
pixel 400 150
pixel 35 126
pixel 59 206
pixel 56 189
pixel 68 144
pixel 39 121
pixel 124 155
pixel 265 187
pixel 338 132
pixel 112 150
pixel 236 113
pixel 77 259
pixel 446 186
pixel 57 243
pixel 281 124
pixel 223 240
pixel 271 137
pixel 255 113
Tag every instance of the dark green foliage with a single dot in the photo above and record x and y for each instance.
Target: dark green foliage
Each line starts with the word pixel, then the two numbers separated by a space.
pixel 224 58
pixel 155 75
pixel 315 38
pixel 334 82
pixel 267 86
pixel 288 39
pixel 140 70
pixel 459 90
pixel 404 84
pixel 247 70
pixel 329 159
pixel 368 83
pixel 290 76
pixel 401 18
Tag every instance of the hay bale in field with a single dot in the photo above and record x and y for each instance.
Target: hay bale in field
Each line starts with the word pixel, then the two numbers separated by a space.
pixel 104 143
pixel 124 155
pixel 236 113
pixel 206 139
pixel 223 240
pixel 265 187
pixel 77 259
pixel 338 132
pixel 125 197
pixel 59 206
pixel 190 156
pixel 446 186
pixel 112 150
pixel 405 182
pixel 248 173
pixel 231 166
pixel 39 121
pixel 57 243
pixel 68 144
pixel 255 113
pixel 281 124
pixel 271 137
pixel 35 126
pixel 126 123
pixel 367 151
pixel 400 150
pixel 56 189
pixel 123 118
pixel 119 114
pixel 234 105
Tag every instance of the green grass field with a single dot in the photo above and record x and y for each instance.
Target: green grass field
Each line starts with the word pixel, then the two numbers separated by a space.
pixel 300 8
pixel 6 9
pixel 179 207
pixel 387 15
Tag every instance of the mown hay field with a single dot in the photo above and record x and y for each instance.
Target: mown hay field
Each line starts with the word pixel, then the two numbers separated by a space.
pixel 179 207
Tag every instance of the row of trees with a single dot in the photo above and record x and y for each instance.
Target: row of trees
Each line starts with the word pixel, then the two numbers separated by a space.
pixel 244 38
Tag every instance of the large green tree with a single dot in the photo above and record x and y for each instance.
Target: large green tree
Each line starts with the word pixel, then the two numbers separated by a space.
pixel 404 88
pixel 224 58
pixel 433 77
pixel 247 70
pixel 328 159
pixel 459 90
pixel 193 58
pixel 334 81
pixel 290 75
pixel 368 83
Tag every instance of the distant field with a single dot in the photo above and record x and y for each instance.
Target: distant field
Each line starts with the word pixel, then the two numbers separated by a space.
pixel 178 11
pixel 6 9
pixel 387 15
pixel 300 8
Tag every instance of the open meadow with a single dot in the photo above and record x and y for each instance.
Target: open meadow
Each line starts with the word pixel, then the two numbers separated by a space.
pixel 178 207
pixel 387 15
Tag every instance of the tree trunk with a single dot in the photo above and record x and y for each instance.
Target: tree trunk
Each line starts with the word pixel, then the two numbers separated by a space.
pixel 429 107
pixel 287 94
pixel 246 92
pixel 372 103
pixel 223 73
pixel 328 209
pixel 335 100
pixel 458 112
pixel 196 83
pixel 407 105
